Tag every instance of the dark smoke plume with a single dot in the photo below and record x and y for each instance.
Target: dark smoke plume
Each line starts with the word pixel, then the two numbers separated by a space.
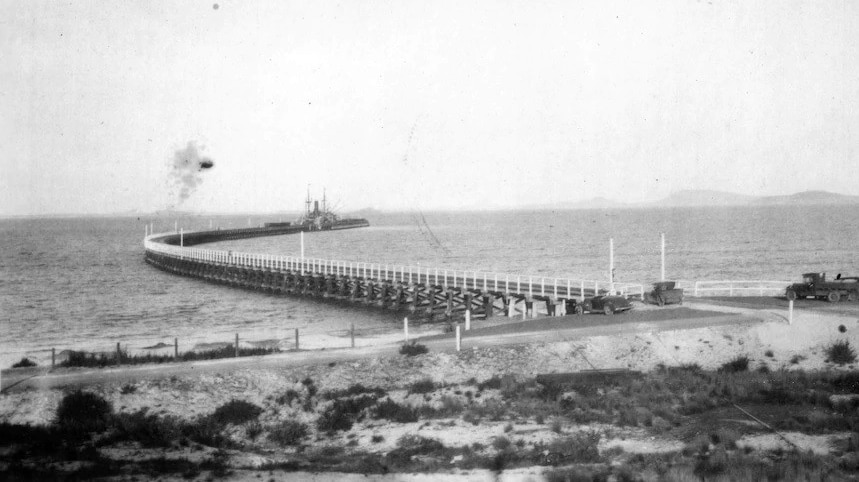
pixel 187 168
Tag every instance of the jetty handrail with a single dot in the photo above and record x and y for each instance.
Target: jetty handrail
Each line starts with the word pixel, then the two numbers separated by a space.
pixel 465 279
pixel 740 287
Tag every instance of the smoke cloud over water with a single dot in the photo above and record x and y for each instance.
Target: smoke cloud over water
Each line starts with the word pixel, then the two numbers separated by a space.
pixel 187 170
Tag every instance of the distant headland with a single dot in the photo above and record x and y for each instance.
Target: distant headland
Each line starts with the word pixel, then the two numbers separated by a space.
pixel 705 198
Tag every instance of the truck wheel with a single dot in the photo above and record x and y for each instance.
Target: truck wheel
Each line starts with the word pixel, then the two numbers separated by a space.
pixel 833 297
pixel 852 296
pixel 608 309
pixel 791 295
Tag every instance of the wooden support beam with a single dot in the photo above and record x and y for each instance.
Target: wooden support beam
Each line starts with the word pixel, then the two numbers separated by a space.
pixel 488 305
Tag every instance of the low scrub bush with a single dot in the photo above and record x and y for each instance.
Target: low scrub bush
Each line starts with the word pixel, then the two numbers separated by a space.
pixel 413 349
pixel 356 389
pixel 579 448
pixel 236 412
pixel 205 431
pixel 493 383
pixel 100 360
pixel 425 385
pixel 343 413
pixel 410 445
pixel 738 364
pixel 148 429
pixel 840 353
pixel 288 432
pixel 25 362
pixel 82 412
pixel 395 412
pixel 287 397
pixel 309 386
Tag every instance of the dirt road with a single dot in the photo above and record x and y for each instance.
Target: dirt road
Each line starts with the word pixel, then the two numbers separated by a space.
pixel 530 331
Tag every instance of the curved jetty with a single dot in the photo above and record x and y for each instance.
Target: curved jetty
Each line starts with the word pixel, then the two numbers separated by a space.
pixel 418 289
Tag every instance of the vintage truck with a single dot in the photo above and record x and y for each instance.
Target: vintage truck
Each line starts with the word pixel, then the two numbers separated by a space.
pixel 815 285
pixel 663 293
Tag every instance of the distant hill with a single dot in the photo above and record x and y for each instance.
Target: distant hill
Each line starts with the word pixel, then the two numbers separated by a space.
pixel 806 198
pixel 703 197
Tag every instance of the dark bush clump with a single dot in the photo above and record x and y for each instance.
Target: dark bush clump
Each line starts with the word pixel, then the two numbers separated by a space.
pixel 738 364
pixel 25 362
pixel 841 353
pixel 84 412
pixel 410 445
pixel 310 386
pixel 579 448
pixel 206 431
pixel 493 383
pixel 334 418
pixel 236 412
pixel 425 385
pixel 356 389
pixel 288 432
pixel 148 429
pixel 288 397
pixel 395 412
pixel 413 349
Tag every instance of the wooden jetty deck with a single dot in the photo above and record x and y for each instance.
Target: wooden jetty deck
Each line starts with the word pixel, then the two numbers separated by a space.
pixel 422 290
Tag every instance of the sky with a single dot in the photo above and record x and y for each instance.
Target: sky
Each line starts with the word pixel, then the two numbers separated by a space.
pixel 405 104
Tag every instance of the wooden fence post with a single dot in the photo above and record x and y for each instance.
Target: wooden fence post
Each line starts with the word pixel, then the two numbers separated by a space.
pixel 458 339
pixel 352 334
pixel 296 338
pixel 237 345
pixel 53 357
pixel 118 354
pixel 176 348
pixel 467 319
pixel 790 312
pixel 406 328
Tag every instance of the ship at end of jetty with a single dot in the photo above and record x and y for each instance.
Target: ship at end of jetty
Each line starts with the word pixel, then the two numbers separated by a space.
pixel 321 219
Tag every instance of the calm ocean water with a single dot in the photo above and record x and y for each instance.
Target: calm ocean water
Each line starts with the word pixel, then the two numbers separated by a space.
pixel 81 282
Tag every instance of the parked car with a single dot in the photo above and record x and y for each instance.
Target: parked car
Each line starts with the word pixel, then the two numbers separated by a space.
pixel 664 293
pixel 574 307
pixel 608 304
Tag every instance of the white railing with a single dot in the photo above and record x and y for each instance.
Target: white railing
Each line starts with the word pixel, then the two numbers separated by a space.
pixel 465 279
pixel 739 288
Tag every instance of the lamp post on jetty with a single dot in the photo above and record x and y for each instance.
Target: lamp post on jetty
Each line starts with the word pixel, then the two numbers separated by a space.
pixel 610 266
pixel 662 276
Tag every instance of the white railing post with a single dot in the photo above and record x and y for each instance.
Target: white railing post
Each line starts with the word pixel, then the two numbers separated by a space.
pixel 662 272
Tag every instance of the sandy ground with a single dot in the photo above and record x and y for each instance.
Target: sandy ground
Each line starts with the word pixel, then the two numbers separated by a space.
pixel 189 389
pixel 765 336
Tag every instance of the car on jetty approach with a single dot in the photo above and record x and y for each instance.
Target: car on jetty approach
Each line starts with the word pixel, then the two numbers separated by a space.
pixel 664 293
pixel 815 285
pixel 608 304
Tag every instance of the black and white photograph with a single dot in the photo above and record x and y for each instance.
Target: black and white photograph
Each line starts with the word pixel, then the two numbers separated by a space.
pixel 414 240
